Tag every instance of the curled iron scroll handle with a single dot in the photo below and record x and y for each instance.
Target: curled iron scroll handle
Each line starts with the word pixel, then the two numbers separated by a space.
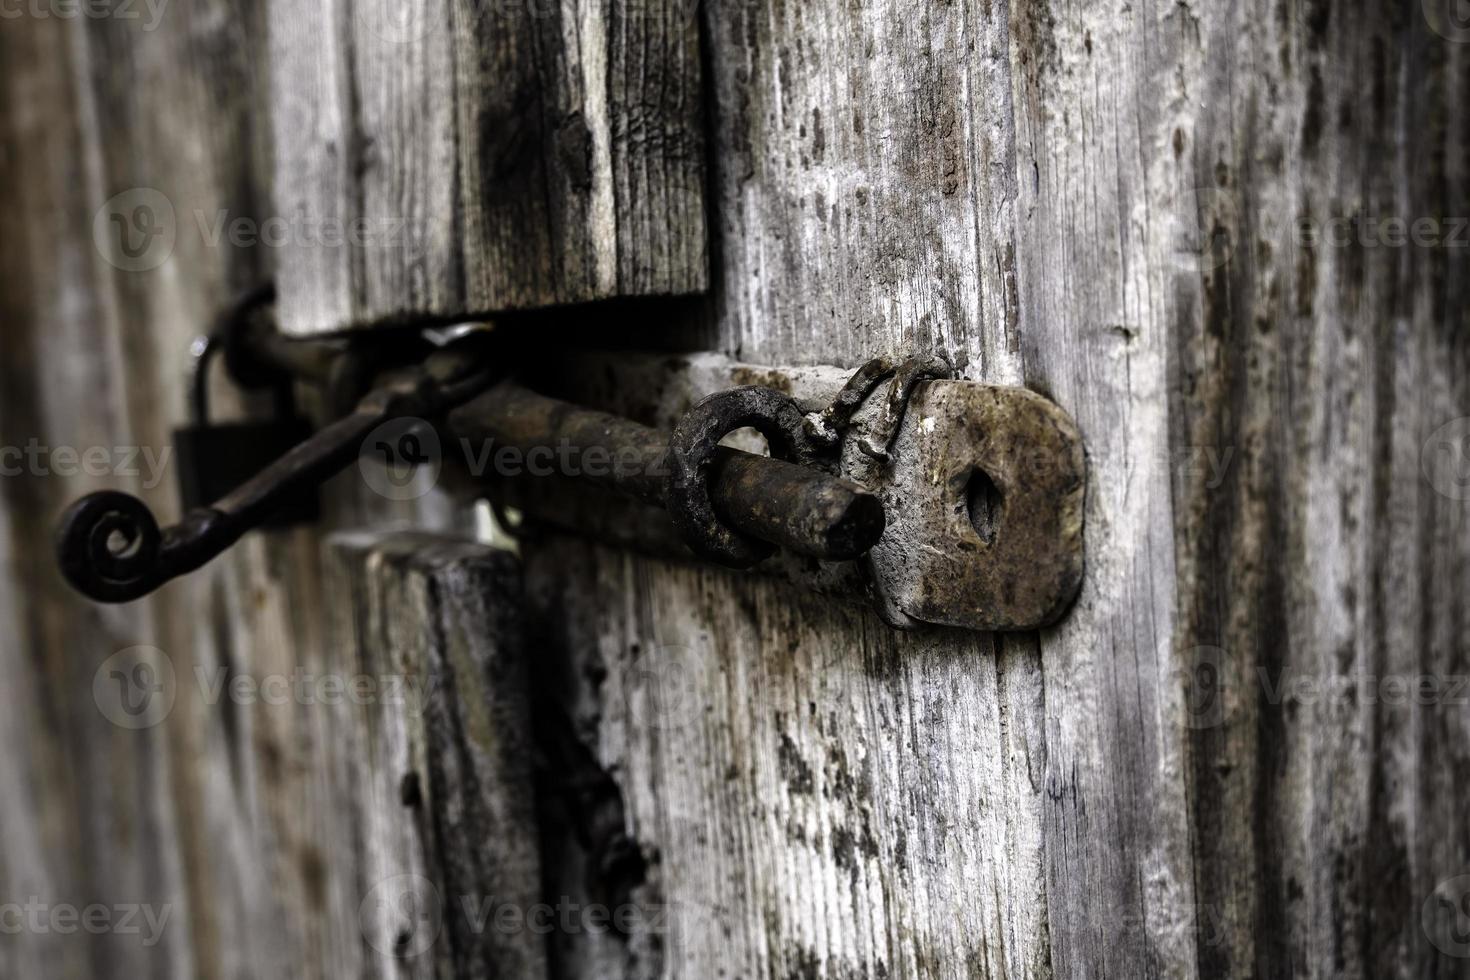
pixel 111 549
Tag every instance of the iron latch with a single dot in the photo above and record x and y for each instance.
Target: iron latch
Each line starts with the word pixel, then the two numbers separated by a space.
pixel 979 489
pixel 943 501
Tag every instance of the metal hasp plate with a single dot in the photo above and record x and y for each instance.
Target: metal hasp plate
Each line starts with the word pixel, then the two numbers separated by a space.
pixel 984 500
pixel 982 485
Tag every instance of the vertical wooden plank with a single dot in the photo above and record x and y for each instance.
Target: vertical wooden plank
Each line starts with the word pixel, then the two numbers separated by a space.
pixel 446 158
pixel 830 799
pixel 1256 397
pixel 1121 886
pixel 174 108
pixel 805 791
pixel 83 799
pixel 864 182
pixel 441 820
pixel 216 814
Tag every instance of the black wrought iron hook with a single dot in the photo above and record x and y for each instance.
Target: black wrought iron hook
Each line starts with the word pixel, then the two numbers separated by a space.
pixel 109 544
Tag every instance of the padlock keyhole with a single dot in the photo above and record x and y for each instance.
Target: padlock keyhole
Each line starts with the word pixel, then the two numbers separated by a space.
pixel 984 502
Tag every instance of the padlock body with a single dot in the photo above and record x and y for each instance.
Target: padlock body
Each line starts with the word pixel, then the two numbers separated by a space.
pixel 215 459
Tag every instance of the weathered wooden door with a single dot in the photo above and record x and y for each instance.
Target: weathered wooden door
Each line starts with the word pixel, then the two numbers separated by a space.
pixel 1229 239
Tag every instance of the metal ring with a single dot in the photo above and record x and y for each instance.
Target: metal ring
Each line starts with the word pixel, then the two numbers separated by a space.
pixel 232 331
pixel 226 337
pixel 692 453
pixel 908 376
pixel 826 429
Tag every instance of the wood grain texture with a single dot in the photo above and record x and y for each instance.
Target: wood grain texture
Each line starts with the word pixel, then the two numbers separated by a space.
pixel 1104 203
pixel 439 834
pixel 94 360
pixel 75 795
pixel 176 111
pixel 812 794
pixel 441 159
pixel 865 182
pixel 1256 405
pixel 220 814
pixel 1205 771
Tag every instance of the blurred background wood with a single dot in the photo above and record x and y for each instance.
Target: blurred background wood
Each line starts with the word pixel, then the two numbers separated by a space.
pixel 223 813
